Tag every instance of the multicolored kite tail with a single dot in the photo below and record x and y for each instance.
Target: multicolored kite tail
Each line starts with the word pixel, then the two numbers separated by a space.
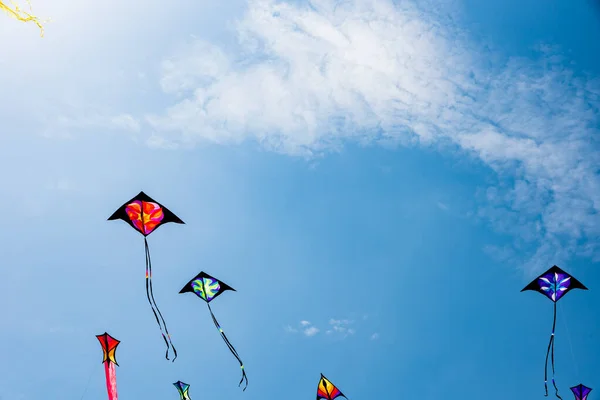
pixel 23 16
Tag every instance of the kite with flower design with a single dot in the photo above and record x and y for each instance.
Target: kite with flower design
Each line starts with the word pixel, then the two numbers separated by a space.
pixel 208 288
pixel 146 215
pixel 327 390
pixel 554 284
pixel 581 392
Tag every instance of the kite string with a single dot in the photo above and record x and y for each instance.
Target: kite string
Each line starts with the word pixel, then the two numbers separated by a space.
pixel 94 368
pixel 564 319
pixel 154 306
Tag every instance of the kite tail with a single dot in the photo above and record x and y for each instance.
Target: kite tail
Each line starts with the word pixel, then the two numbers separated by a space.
pixel 111 380
pixel 231 348
pixel 550 353
pixel 154 306
pixel 553 328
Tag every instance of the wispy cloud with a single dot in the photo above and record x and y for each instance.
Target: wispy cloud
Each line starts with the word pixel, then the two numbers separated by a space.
pixel 63 125
pixel 340 327
pixel 337 328
pixel 305 327
pixel 371 71
pixel 375 336
pixel 311 331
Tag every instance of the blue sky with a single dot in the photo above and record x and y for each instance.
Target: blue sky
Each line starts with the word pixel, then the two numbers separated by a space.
pixel 377 182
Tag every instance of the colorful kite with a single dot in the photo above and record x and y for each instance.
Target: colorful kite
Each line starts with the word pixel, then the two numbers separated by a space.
pixel 327 390
pixel 183 388
pixel 581 392
pixel 145 216
pixel 208 288
pixel 554 284
pixel 109 347
pixel 21 15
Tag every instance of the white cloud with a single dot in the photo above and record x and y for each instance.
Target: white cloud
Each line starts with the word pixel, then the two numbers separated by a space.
pixel 125 122
pixel 311 331
pixel 340 321
pixel 305 327
pixel 63 125
pixel 375 336
pixel 369 71
pixel 340 327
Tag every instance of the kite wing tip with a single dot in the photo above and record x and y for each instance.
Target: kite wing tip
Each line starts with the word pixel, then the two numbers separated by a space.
pixel 113 216
pixel 184 289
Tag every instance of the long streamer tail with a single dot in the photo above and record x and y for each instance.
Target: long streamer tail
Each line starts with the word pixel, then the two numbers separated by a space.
pixel 150 295
pixel 111 380
pixel 553 329
pixel 231 348
pixel 550 352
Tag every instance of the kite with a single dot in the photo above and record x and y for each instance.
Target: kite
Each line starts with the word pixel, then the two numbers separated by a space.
pixel 581 392
pixel 327 390
pixel 208 288
pixel 182 388
pixel 109 347
pixel 21 15
pixel 554 284
pixel 145 215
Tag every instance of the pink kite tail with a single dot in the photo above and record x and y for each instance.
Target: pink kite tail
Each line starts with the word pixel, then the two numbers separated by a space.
pixel 111 380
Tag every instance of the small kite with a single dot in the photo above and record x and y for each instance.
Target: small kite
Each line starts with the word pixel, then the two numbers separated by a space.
pixel 327 390
pixel 21 15
pixel 182 388
pixel 109 347
pixel 581 392
pixel 145 215
pixel 208 288
pixel 554 284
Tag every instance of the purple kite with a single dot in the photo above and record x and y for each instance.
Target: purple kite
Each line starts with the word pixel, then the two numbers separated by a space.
pixel 581 392
pixel 554 284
